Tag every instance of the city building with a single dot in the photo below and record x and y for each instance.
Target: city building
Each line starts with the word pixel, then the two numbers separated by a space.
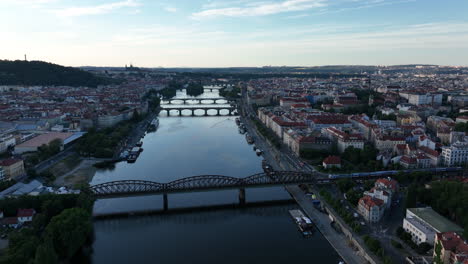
pixel 456 154
pixel 344 140
pixel 332 162
pixel 454 250
pixel 12 168
pixel 372 209
pixel 424 223
pixel 25 215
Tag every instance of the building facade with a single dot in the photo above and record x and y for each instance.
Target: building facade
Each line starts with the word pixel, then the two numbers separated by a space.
pixel 13 168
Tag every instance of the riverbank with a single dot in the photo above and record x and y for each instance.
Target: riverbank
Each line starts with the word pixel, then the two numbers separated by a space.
pixel 76 170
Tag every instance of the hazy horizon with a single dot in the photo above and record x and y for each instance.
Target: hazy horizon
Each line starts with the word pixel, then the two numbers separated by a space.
pixel 235 33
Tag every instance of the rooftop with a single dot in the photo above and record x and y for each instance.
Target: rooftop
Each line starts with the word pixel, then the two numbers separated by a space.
pixel 44 139
pixel 438 222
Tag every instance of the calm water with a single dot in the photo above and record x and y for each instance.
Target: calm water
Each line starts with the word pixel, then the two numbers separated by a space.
pixel 189 146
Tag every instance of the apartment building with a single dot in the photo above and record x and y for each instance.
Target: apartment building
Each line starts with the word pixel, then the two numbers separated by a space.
pixel 424 223
pixel 13 168
pixel 454 250
pixel 455 154
pixel 372 209
pixel 344 140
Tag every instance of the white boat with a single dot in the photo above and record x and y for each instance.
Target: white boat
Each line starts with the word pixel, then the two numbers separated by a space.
pixel 154 124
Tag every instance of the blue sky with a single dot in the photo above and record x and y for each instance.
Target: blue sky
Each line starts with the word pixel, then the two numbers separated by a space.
pixel 223 33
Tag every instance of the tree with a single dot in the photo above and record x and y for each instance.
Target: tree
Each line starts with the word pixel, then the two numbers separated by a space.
pixel 465 232
pixel 438 253
pixel 345 184
pixel 69 230
pixel 135 116
pixel 45 253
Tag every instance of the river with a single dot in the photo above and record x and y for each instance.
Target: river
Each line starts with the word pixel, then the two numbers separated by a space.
pixel 189 146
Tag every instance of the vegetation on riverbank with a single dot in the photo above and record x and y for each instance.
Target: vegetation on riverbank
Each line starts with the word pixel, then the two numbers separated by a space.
pixel 103 143
pixel 170 90
pixel 376 248
pixel 342 212
pixel 58 232
pixel 268 134
pixel 230 93
pixel 194 89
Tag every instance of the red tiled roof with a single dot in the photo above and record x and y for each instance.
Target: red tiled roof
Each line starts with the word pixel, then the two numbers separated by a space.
pixel 25 212
pixel 401 146
pixel 453 242
pixel 429 151
pixel 408 160
pixel 9 162
pixel 9 221
pixel 332 160
pixel 389 183
pixel 369 202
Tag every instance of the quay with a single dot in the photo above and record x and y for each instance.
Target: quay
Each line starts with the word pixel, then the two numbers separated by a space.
pixel 323 224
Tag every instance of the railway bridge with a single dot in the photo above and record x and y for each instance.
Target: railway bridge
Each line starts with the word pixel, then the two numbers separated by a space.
pixel 199 183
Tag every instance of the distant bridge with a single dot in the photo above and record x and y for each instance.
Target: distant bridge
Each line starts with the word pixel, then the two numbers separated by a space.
pixel 199 107
pixel 212 88
pixel 198 100
pixel 126 188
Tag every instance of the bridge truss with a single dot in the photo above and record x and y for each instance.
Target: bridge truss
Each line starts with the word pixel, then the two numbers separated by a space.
pixel 198 183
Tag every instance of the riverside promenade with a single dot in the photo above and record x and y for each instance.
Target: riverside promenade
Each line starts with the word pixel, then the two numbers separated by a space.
pixel 322 222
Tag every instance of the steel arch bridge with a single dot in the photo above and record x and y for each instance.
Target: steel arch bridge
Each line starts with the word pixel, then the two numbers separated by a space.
pixel 198 183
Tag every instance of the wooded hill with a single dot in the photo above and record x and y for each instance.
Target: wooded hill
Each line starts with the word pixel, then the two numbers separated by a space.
pixel 44 73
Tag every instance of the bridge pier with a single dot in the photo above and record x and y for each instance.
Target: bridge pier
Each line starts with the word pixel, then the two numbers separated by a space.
pixel 206 112
pixel 193 112
pixel 180 112
pixel 241 196
pixel 165 202
pixel 217 112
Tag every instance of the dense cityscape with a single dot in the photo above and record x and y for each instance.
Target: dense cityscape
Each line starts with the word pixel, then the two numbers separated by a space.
pixel 382 152
pixel 234 131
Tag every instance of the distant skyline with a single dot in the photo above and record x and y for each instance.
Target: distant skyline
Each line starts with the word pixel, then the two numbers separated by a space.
pixel 235 33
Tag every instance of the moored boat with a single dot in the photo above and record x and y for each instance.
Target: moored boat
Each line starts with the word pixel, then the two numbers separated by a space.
pixel 249 139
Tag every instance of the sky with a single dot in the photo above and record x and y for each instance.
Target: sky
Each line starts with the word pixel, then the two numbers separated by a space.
pixel 235 33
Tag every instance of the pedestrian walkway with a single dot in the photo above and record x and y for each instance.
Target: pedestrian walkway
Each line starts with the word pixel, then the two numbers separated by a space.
pixel 322 222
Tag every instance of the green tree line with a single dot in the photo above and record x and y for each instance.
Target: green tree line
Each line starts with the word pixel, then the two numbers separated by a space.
pixel 61 227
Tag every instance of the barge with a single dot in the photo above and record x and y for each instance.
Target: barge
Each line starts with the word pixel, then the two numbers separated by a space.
pixel 304 224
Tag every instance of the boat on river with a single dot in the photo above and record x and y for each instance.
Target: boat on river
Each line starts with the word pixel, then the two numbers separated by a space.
pixel 154 124
pixel 258 152
pixel 242 130
pixel 134 153
pixel 304 224
pixel 249 139
pixel 237 121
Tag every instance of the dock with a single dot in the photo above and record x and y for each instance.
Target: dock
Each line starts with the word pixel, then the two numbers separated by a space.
pixel 323 224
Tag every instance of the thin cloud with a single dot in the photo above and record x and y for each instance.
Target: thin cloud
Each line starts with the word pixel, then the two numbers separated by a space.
pixel 95 10
pixel 260 9
pixel 170 9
